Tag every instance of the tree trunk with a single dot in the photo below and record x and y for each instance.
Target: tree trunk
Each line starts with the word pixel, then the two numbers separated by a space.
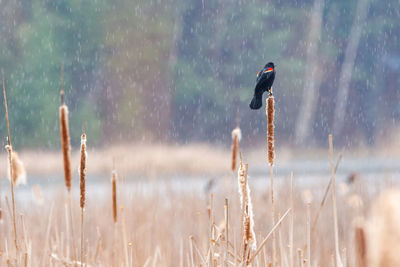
pixel 310 93
pixel 348 64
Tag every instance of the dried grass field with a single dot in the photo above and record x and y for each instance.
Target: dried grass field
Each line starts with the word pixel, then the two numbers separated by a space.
pixel 232 220
pixel 182 227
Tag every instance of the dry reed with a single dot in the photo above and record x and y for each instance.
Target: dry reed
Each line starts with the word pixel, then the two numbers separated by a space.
pixel 10 154
pixel 334 207
pixel 236 136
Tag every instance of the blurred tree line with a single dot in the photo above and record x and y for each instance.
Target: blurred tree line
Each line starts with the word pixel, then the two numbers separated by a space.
pixel 184 71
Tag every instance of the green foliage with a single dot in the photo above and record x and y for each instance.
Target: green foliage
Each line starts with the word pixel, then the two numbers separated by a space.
pixel 51 37
pixel 154 70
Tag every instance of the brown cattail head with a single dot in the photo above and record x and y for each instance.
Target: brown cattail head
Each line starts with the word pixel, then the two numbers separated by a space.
pixel 360 246
pixel 82 170
pixel 65 143
pixel 270 129
pixel 114 196
pixel 236 136
pixel 18 170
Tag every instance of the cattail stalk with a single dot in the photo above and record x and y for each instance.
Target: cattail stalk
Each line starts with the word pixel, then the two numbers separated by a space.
pixel 291 223
pixel 82 176
pixel 270 110
pixel 10 152
pixel 335 217
pixel 236 136
pixel 308 235
pixel 66 152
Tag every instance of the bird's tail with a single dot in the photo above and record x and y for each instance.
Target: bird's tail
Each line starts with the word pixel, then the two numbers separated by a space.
pixel 256 102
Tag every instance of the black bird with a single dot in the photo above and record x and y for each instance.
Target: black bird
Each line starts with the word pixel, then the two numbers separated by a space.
pixel 264 81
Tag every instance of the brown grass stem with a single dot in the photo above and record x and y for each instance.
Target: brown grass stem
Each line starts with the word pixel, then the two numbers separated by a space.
pixel 9 149
pixel 226 216
pixel 268 236
pixel 325 196
pixel 308 235
pixel 334 207
pixel 291 224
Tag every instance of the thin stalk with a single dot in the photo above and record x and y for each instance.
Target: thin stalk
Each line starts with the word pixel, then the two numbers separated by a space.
pixel 71 220
pixel 268 236
pixel 335 217
pixel 273 214
pixel 82 260
pixel 308 236
pixel 226 213
pixel 325 195
pixel 291 222
pixel 9 149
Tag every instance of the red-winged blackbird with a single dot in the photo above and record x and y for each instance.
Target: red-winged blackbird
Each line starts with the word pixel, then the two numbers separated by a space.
pixel 265 79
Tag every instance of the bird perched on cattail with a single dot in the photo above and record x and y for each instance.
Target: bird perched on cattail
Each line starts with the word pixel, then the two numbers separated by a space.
pixel 264 81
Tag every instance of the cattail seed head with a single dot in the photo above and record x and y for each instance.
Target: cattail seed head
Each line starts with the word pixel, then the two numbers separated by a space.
pixel 65 144
pixel 246 236
pixel 270 129
pixel 114 196
pixel 82 171
pixel 236 136
pixel 18 170
pixel 246 205
pixel 360 246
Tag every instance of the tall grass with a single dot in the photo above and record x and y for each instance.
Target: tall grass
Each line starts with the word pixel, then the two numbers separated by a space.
pixel 181 228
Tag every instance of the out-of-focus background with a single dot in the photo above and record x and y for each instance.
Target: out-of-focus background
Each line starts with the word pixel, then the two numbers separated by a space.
pixel 160 85
pixel 180 71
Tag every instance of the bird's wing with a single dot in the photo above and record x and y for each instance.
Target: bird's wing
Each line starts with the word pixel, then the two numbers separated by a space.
pixel 263 76
pixel 259 74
